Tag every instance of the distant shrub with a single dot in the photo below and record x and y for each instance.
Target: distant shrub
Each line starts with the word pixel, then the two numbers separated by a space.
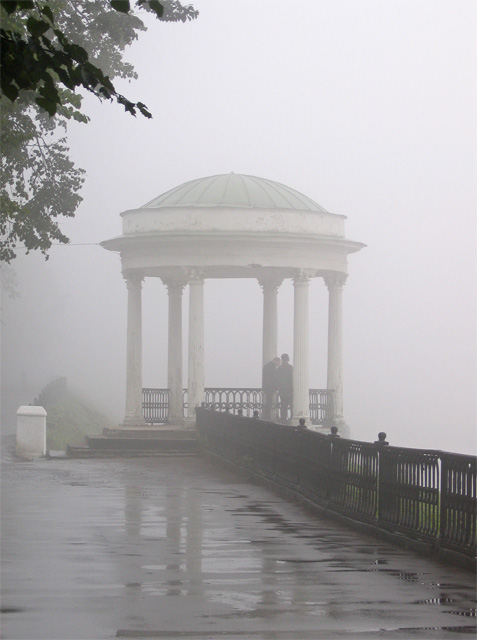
pixel 69 419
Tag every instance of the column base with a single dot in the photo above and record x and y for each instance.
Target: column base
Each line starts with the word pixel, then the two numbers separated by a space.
pixel 178 421
pixel 132 423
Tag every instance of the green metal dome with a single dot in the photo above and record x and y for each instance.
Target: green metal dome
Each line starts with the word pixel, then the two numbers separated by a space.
pixel 236 191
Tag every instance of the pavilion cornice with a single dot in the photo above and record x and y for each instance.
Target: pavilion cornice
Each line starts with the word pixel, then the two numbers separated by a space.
pixel 138 241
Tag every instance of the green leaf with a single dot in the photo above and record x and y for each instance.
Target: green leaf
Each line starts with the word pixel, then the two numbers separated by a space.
pixel 25 4
pixel 37 27
pixel 46 11
pixel 10 6
pixel 76 52
pixel 144 110
pixel 154 5
pixel 61 37
pixel 10 91
pixel 49 91
pixel 47 105
pixel 121 5
pixel 157 7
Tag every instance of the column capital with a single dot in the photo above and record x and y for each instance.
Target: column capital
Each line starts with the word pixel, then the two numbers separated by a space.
pixel 174 283
pixel 196 275
pixel 133 279
pixel 302 276
pixel 269 282
pixel 334 279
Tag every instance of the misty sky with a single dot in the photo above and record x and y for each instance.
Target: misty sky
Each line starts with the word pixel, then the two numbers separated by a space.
pixel 366 106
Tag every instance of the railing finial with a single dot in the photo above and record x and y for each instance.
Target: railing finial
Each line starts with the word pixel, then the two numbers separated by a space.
pixel 381 441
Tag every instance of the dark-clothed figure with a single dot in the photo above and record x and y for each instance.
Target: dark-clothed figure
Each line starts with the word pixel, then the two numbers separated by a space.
pixel 284 385
pixel 269 387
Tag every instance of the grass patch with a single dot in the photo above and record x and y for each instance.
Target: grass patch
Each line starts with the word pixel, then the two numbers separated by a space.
pixel 69 419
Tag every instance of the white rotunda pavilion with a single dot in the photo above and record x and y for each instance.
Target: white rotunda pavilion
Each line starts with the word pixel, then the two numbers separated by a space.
pixel 231 226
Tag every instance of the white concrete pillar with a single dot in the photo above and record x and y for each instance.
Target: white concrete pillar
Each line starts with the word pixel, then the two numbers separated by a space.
pixel 134 416
pixel 335 281
pixel 270 317
pixel 174 352
pixel 31 432
pixel 301 384
pixel 195 385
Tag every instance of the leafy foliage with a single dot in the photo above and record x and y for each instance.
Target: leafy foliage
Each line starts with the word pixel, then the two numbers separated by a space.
pixel 50 51
pixel 69 419
pixel 38 181
pixel 50 58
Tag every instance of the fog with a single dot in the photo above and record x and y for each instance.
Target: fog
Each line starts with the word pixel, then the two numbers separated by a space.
pixel 368 108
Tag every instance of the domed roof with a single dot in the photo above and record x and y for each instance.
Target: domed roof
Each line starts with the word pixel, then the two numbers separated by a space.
pixel 234 190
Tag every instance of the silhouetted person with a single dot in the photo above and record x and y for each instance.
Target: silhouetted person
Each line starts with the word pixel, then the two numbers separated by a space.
pixel 269 387
pixel 284 386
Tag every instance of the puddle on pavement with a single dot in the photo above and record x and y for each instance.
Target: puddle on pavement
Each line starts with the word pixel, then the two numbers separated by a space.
pixel 463 629
pixel 441 600
pixel 11 610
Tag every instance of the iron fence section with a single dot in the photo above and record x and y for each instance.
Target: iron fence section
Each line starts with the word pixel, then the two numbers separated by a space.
pixel 425 495
pixel 315 465
pixel 409 482
pixel 458 519
pixel 287 454
pixel 224 399
pixel 354 467
pixel 156 403
pixel 321 407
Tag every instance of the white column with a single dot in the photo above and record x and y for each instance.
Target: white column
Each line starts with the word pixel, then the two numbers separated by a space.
pixel 301 384
pixel 335 281
pixel 134 416
pixel 195 385
pixel 270 318
pixel 174 351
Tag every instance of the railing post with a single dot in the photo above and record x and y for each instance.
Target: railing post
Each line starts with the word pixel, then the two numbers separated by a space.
pixel 381 473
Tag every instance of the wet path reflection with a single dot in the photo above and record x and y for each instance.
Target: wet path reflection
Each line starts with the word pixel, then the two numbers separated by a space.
pixel 171 547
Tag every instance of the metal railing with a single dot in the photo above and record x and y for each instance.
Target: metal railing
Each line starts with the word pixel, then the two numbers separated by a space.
pixel 321 407
pixel 224 399
pixel 155 403
pixel 52 391
pixel 458 515
pixel 425 495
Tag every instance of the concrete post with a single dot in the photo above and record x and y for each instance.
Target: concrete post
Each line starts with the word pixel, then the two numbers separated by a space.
pixel 301 384
pixel 134 416
pixel 31 432
pixel 195 385
pixel 174 354
pixel 335 282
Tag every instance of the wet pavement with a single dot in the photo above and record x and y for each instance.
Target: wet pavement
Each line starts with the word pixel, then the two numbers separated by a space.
pixel 171 548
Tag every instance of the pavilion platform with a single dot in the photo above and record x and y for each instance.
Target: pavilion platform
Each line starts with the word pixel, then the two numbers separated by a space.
pixel 138 441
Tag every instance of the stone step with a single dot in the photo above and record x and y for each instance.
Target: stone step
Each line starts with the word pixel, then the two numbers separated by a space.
pixel 141 444
pixel 161 433
pixel 75 451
